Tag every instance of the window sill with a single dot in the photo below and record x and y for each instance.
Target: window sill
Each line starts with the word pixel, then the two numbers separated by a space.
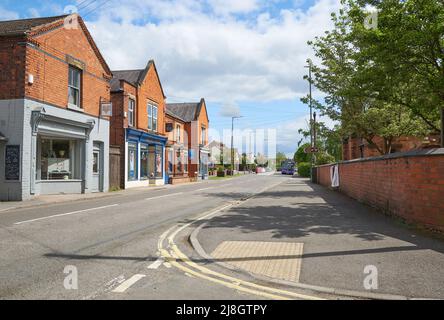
pixel 59 181
pixel 75 108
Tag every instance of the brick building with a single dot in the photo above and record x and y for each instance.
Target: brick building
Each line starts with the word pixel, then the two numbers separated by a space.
pixel 53 81
pixel 138 126
pixel 187 153
pixel 355 148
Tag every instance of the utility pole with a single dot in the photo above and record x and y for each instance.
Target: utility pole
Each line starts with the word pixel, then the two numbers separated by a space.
pixel 309 66
pixel 232 142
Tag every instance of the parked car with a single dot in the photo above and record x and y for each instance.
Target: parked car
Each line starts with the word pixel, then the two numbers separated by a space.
pixel 260 170
pixel 288 168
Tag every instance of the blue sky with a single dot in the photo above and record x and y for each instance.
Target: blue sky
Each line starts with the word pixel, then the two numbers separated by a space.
pixel 245 57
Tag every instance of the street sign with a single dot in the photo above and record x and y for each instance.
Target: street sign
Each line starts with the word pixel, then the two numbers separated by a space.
pixel 311 150
pixel 106 109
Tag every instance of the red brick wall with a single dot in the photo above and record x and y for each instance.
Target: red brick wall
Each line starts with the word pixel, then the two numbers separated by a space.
pixel 411 187
pixel 150 90
pixel 323 175
pixel 12 68
pixel 51 74
pixel 351 150
pixel 45 57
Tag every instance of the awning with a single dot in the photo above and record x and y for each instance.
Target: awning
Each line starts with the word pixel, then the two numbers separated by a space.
pixel 144 137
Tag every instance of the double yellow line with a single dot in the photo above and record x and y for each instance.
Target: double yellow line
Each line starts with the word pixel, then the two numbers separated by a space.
pixel 178 259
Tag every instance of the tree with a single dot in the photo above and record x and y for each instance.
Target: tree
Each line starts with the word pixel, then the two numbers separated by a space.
pixel 406 52
pixel 328 141
pixel 280 157
pixel 300 155
pixel 367 90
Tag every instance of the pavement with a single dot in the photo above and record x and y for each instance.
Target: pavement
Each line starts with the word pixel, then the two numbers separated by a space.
pixel 266 232
pixel 340 237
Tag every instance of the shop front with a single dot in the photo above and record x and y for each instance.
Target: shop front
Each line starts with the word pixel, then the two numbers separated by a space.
pixel 69 152
pixel 178 164
pixel 144 159
pixel 51 150
pixel 204 158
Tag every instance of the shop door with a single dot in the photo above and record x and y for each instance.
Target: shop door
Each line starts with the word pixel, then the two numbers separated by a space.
pixel 97 179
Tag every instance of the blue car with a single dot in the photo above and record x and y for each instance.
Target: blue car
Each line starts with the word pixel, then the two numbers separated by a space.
pixel 289 170
pixel 288 167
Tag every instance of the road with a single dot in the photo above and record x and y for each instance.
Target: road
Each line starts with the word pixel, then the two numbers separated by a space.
pixel 162 244
pixel 109 241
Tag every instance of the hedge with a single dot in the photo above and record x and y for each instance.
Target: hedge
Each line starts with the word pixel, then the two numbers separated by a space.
pixel 304 169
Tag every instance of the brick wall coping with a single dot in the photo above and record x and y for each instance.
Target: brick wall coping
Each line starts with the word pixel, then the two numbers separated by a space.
pixel 407 154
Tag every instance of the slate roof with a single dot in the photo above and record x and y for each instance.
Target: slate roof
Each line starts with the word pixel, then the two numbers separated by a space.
pixel 186 112
pixel 133 77
pixel 20 27
pixel 130 76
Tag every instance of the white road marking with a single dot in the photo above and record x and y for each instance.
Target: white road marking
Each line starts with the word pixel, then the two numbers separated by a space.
pixel 156 264
pixel 205 189
pixel 128 283
pixel 167 265
pixel 65 214
pixel 166 195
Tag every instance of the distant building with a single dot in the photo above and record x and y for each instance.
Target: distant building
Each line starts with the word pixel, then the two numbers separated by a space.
pixel 187 154
pixel 355 148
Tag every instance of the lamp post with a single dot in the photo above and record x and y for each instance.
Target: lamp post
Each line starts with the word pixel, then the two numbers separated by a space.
pixel 232 141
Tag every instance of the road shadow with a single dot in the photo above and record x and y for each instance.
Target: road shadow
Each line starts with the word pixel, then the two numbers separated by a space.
pixel 315 210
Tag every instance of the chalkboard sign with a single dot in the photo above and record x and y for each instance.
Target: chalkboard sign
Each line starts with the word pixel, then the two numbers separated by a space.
pixel 12 163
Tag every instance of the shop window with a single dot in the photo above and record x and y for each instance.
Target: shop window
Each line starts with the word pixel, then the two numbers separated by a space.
pixel 179 161
pixel 57 159
pixel 170 161
pixel 74 86
pixel 159 162
pixel 144 172
pixel 132 162
pixel 185 161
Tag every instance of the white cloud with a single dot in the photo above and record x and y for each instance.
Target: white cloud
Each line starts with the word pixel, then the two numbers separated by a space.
pixel 229 110
pixel 8 15
pixel 199 54
pixel 225 7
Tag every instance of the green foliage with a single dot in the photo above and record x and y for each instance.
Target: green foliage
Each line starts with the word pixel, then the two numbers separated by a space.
pixel 300 155
pixel 387 81
pixel 304 169
pixel 280 157
pixel 327 140
pixel 324 158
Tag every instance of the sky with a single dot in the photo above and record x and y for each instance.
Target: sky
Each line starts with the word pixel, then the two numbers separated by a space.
pixel 245 57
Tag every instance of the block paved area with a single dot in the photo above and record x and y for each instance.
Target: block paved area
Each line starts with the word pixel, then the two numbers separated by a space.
pixel 278 260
